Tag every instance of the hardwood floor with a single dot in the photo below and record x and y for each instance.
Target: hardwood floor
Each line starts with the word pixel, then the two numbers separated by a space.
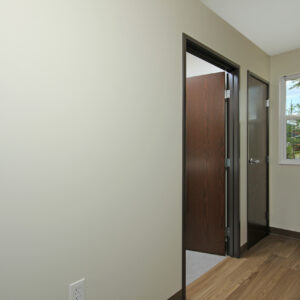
pixel 270 270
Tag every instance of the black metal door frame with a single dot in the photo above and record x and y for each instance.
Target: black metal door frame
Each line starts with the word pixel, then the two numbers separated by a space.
pixel 233 152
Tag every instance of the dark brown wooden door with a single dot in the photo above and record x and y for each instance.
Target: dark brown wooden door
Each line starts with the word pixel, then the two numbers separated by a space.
pixel 205 169
pixel 257 183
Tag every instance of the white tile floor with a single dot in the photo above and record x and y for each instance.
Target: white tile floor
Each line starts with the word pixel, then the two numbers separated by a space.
pixel 198 263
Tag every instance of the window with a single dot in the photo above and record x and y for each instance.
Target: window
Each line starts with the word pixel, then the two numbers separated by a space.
pixel 290 119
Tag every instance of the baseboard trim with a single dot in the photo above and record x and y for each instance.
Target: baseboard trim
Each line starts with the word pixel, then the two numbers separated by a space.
pixel 177 296
pixel 289 233
pixel 243 248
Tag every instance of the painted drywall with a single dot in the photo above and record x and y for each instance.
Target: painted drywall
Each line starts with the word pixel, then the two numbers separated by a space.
pixel 91 143
pixel 284 179
pixel 196 66
pixel 265 31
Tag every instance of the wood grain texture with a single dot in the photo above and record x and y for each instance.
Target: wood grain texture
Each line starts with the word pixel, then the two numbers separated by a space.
pixel 270 271
pixel 205 172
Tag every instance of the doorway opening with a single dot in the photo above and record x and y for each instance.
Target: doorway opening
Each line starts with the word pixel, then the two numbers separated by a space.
pixel 211 225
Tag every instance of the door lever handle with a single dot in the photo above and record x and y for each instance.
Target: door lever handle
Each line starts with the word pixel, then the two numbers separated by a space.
pixel 253 161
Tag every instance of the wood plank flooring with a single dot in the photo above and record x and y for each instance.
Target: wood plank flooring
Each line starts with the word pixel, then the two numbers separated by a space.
pixel 270 270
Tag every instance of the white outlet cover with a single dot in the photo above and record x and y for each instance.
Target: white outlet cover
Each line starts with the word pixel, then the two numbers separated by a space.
pixel 76 290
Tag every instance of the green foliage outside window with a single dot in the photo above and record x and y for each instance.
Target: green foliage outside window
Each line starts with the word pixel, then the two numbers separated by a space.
pixel 293 123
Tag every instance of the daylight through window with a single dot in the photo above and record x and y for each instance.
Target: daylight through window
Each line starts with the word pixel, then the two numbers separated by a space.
pixel 290 118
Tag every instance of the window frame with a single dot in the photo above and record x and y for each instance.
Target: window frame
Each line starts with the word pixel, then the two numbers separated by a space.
pixel 282 120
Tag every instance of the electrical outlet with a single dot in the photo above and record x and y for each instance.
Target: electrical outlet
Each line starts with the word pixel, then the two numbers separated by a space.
pixel 77 290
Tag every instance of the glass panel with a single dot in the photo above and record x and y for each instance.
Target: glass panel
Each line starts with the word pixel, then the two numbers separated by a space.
pixel 292 140
pixel 293 119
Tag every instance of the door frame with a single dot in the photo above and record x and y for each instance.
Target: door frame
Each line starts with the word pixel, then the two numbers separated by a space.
pixel 249 73
pixel 233 176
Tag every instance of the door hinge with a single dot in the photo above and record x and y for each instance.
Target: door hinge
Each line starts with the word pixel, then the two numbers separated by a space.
pixel 267 103
pixel 227 163
pixel 227 94
pixel 227 233
pixel 267 159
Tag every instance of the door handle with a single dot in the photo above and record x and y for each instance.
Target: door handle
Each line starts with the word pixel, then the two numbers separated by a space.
pixel 253 161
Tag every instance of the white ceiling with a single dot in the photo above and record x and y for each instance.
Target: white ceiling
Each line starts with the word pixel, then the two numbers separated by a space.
pixel 273 25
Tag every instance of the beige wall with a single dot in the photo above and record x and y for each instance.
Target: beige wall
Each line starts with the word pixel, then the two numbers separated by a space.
pixel 284 179
pixel 90 130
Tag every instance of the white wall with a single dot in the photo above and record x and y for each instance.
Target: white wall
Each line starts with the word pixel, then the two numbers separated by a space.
pixel 90 130
pixel 196 66
pixel 284 179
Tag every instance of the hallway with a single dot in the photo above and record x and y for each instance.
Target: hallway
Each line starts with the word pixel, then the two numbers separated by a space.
pixel 269 270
